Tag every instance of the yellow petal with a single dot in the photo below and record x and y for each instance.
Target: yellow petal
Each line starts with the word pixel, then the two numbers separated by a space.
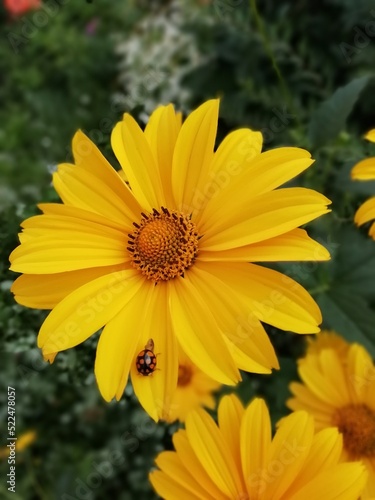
pixel 245 336
pixel 50 357
pixel 364 170
pixel 67 251
pixel 54 224
pixel 86 310
pixel 80 214
pixel 370 136
pixel 82 189
pixel 88 157
pixel 170 463
pixel 315 377
pixel 333 369
pixel 197 470
pixel 295 245
pixel 161 133
pixel 265 217
pixel 41 291
pixel 230 414
pixel 372 231
pixel 289 449
pixel 343 482
pixel 366 212
pixel 309 401
pixel 117 346
pixel 265 172
pixel 168 488
pixel 324 454
pixel 255 445
pixel 369 490
pixel 213 453
pixel 199 334
pixel 232 157
pixel 135 156
pixel 155 392
pixel 361 375
pixel 193 153
pixel 275 298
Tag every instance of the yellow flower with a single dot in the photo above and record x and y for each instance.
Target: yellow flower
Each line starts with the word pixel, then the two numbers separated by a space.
pixel 327 339
pixel 24 441
pixel 239 460
pixel 338 390
pixel 189 220
pixel 364 171
pixel 194 389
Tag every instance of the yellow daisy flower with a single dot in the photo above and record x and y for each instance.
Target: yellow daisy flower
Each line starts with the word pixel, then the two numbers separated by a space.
pixel 327 339
pixel 239 460
pixel 194 389
pixel 189 220
pixel 339 390
pixel 365 171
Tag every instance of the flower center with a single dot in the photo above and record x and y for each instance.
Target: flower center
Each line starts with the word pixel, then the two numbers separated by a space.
pixel 357 424
pixel 185 374
pixel 164 244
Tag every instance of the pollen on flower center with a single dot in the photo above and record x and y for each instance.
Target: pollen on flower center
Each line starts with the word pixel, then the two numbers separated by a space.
pixel 164 244
pixel 357 424
pixel 185 374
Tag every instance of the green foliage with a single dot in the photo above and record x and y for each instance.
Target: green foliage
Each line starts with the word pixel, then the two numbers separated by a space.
pixel 330 118
pixel 298 71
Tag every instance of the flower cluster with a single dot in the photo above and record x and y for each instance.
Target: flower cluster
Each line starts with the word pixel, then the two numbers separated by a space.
pixel 166 257
pixel 365 171
pixel 338 390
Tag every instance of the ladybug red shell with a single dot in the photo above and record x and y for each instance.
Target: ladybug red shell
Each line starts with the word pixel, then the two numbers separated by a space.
pixel 146 359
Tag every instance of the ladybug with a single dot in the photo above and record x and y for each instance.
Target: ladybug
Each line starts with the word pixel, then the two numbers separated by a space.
pixel 146 359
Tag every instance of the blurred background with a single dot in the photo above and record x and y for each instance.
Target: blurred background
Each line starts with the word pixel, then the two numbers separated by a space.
pixel 299 71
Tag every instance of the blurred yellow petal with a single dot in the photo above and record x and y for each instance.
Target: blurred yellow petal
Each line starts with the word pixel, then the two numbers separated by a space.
pixel 364 170
pixel 343 482
pixel 325 453
pixel 288 451
pixel 188 457
pixel 255 435
pixel 366 212
pixel 170 463
pixel 230 414
pixel 213 453
pixel 370 136
pixel 170 489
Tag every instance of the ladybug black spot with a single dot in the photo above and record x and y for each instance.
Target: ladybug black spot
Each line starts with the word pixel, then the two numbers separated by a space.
pixel 146 362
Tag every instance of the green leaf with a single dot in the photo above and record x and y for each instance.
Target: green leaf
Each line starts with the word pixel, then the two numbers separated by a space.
pixel 330 118
pixel 355 263
pixel 349 315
